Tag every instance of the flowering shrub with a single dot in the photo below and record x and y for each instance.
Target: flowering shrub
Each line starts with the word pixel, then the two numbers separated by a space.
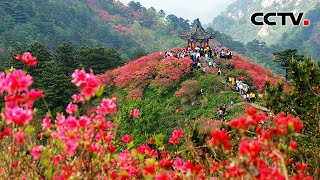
pixel 151 70
pixel 188 91
pixel 259 74
pixel 122 29
pixel 134 94
pixel 170 70
pixel 84 147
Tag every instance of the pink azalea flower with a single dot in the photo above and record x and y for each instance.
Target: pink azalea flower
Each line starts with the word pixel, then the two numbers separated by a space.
pixel 71 108
pixel 72 123
pixel 60 119
pixel 36 152
pixel 70 148
pixel 2 82
pixel 19 137
pixel 134 113
pixel 78 78
pixel 77 98
pixel 174 140
pixel 18 116
pixel 177 133
pixel 46 123
pixel 84 121
pixel 126 138
pixel 87 82
pixel 17 81
pixel 27 59
pixel 107 106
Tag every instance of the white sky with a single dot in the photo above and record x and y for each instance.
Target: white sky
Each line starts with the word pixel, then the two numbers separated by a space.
pixel 206 10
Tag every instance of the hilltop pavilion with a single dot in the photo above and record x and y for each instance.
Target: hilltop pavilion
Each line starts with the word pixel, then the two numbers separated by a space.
pixel 197 35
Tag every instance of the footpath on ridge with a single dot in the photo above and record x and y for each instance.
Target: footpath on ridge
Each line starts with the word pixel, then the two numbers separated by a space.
pixel 257 106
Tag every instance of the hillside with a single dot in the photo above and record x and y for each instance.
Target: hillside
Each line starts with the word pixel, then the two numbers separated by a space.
pixel 158 117
pixel 92 23
pixel 171 94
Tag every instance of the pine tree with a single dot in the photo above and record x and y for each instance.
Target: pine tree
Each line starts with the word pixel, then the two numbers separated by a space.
pixel 65 56
pixel 12 61
pixel 285 57
pixel 302 100
pixel 56 86
pixel 98 59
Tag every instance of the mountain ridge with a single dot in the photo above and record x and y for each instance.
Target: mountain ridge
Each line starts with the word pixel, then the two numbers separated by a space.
pixel 238 16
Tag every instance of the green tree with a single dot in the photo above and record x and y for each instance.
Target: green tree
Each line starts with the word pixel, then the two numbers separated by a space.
pixel 135 6
pixel 65 56
pixel 56 86
pixel 285 57
pixel 303 101
pixel 98 59
pixel 11 60
pixel 256 45
pixel 40 51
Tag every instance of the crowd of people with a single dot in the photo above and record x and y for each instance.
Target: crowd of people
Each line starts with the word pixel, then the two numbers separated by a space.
pixel 176 54
pixel 198 53
pixel 206 58
pixel 243 89
pixel 222 112
pixel 223 54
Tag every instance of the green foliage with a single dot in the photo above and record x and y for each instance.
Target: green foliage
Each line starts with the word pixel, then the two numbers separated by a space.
pixel 302 100
pixel 177 24
pixel 82 23
pixel 40 51
pixel 210 84
pixel 11 60
pixel 138 53
pixel 98 59
pixel 285 57
pixel 65 56
pixel 56 86
pixel 155 117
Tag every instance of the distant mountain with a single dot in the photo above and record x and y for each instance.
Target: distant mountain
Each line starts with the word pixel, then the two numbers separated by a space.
pixel 235 21
pixel 307 40
pixel 88 22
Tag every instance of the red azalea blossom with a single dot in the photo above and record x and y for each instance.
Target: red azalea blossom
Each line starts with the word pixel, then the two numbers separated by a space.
pixel 19 137
pixel 72 108
pixel 293 145
pixel 220 137
pixel 126 138
pixel 134 113
pixel 46 123
pixel 36 152
pixel 252 148
pixel 287 123
pixel 27 59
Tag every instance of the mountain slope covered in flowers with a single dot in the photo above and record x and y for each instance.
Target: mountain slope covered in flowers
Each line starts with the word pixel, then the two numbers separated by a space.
pixel 93 145
pixel 173 93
